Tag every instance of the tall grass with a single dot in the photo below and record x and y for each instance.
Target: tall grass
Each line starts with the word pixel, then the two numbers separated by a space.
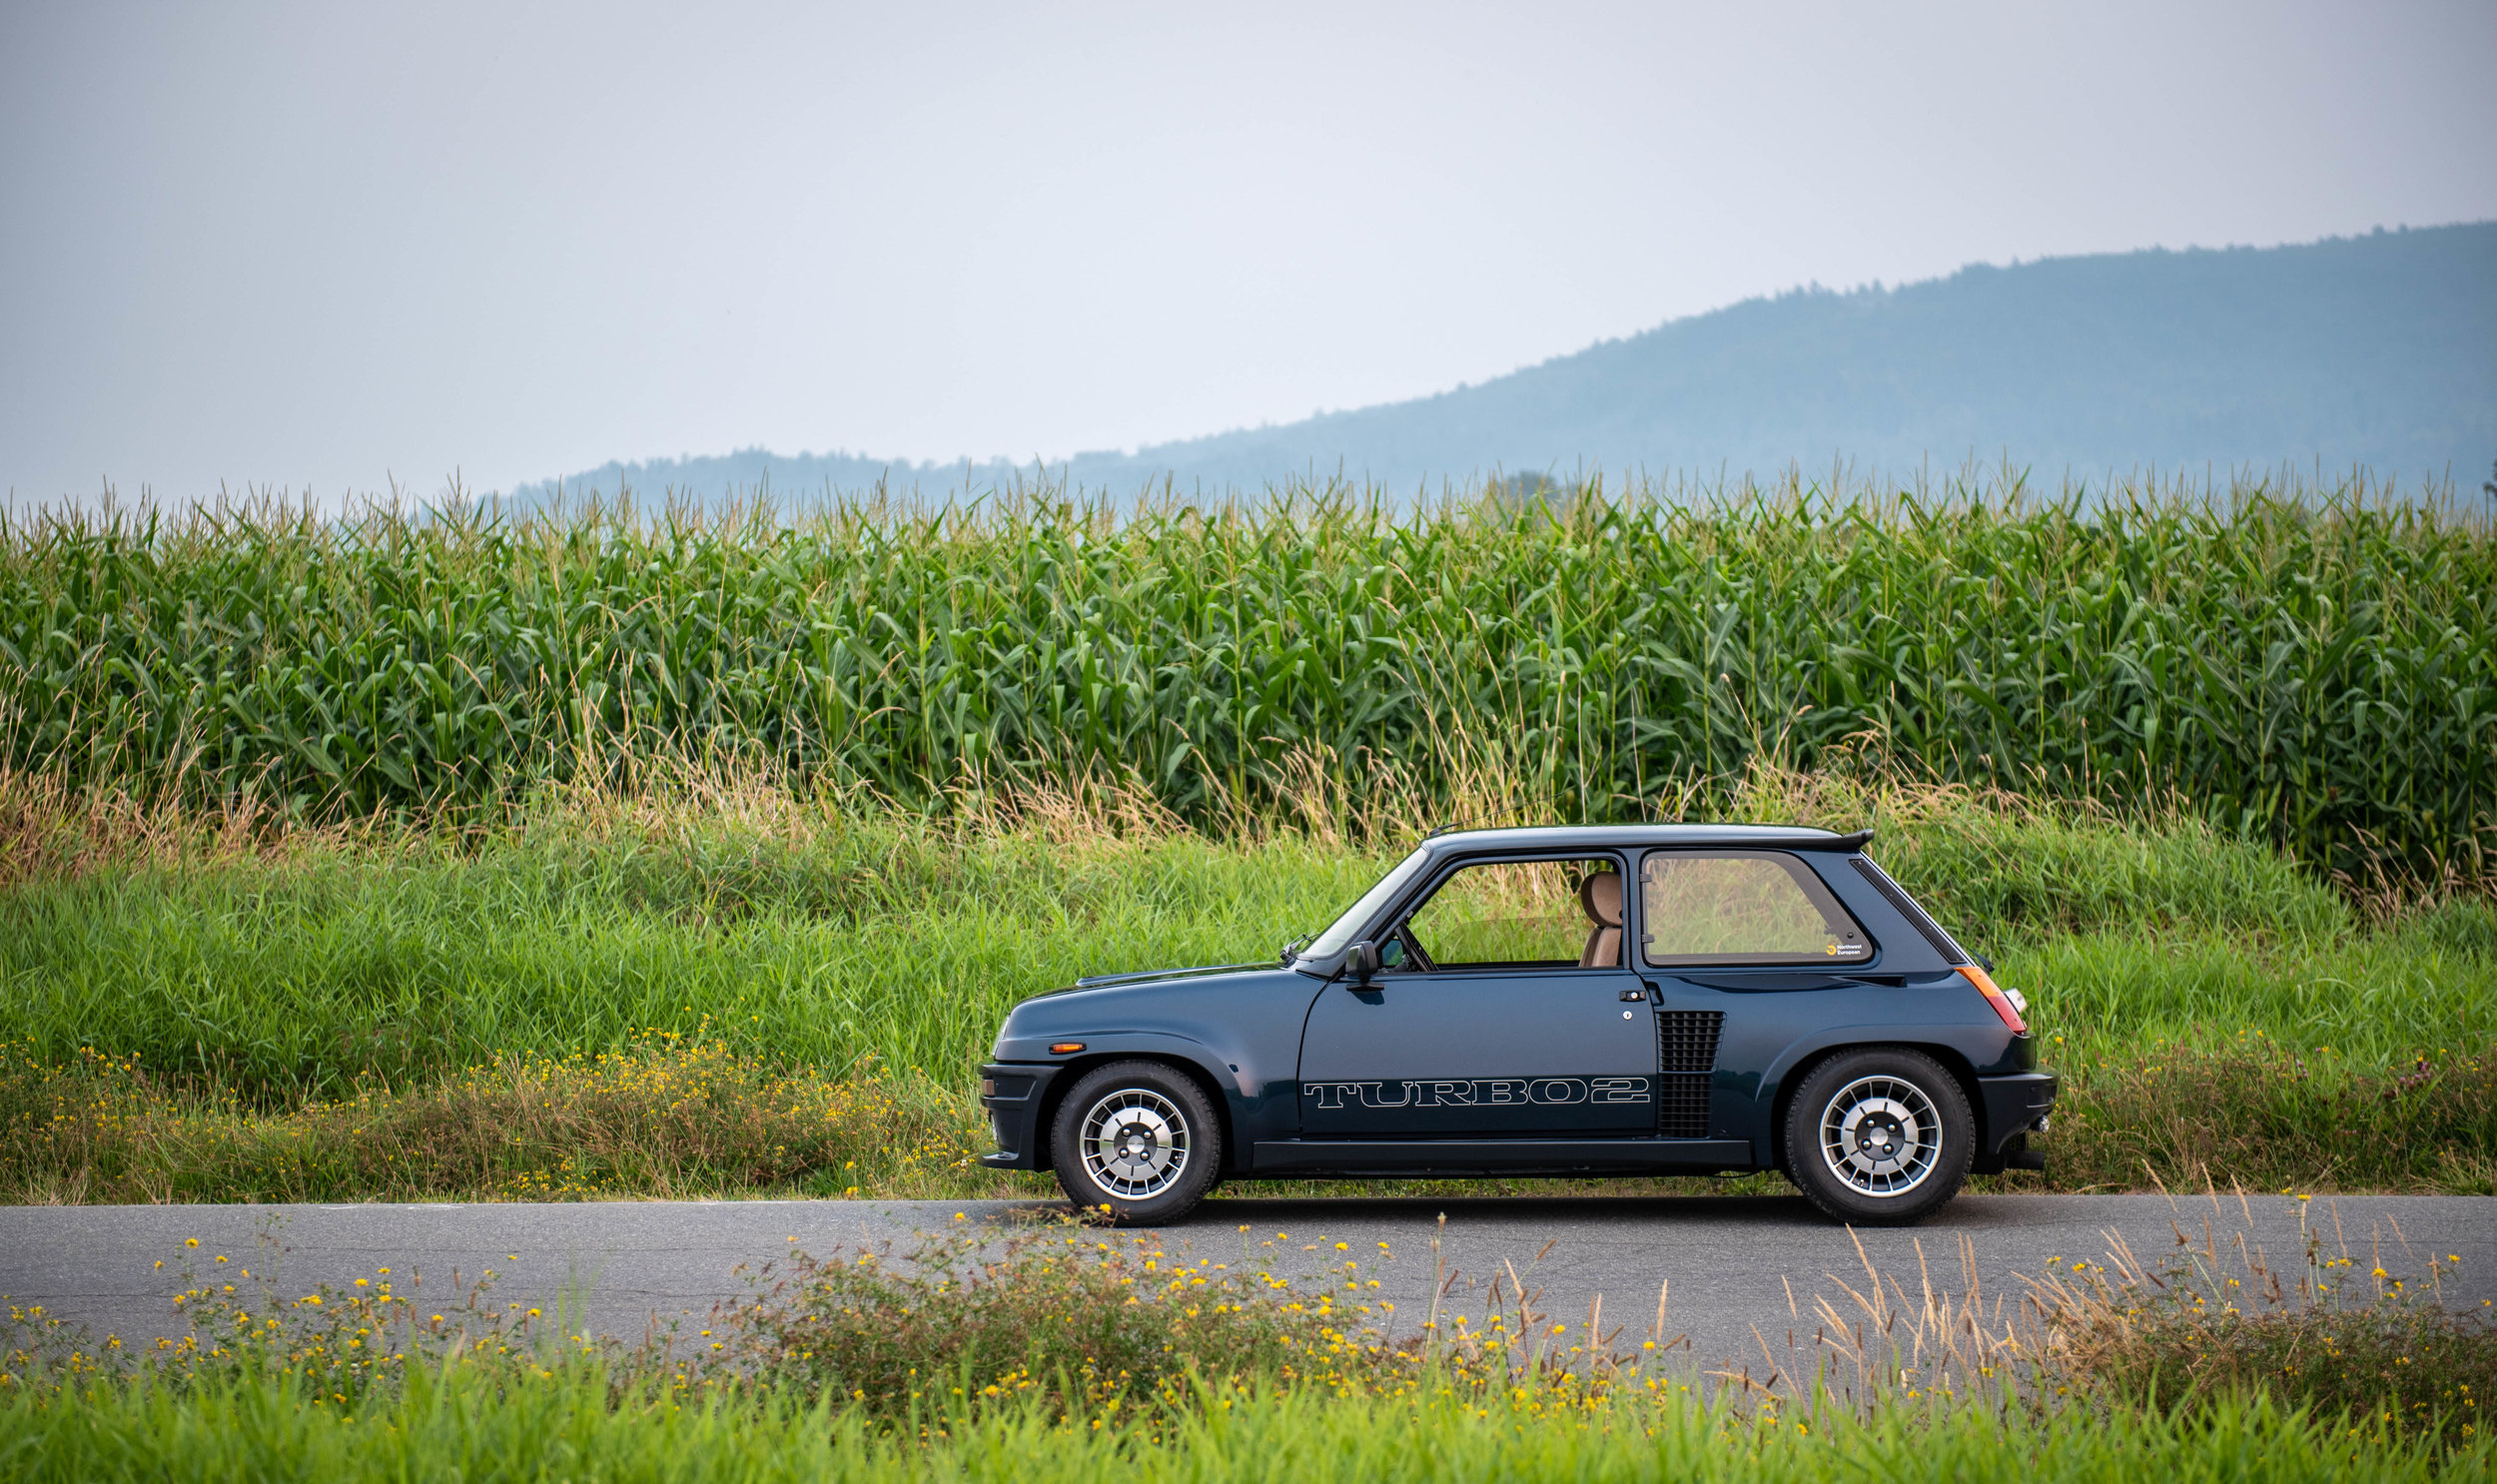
pixel 1059 1350
pixel 826 944
pixel 690 1119
pixel 567 1426
pixel 824 938
pixel 1052 1355
pixel 735 990
pixel 2308 666
pixel 667 1118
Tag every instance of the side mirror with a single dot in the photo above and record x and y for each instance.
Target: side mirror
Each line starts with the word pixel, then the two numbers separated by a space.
pixel 1361 961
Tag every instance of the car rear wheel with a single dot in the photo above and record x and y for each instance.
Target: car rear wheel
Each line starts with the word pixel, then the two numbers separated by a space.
pixel 1137 1139
pixel 1879 1137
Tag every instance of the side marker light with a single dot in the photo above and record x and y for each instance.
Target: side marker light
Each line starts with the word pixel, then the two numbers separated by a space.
pixel 2000 1000
pixel 1065 1048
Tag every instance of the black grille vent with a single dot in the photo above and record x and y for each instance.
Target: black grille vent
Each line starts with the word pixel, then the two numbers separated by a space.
pixel 1686 1052
pixel 1686 1039
pixel 1682 1106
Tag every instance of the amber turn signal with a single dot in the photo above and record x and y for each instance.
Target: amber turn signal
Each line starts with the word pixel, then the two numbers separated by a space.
pixel 2000 1000
pixel 1063 1048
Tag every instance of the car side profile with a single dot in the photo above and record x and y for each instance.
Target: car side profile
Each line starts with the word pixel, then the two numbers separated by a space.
pixel 1570 1001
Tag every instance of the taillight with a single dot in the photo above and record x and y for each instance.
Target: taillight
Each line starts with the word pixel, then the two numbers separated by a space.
pixel 1995 997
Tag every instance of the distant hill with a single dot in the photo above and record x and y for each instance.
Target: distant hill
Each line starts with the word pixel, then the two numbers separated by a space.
pixel 2378 350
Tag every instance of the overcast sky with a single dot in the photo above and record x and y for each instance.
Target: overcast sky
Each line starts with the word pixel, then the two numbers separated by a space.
pixel 314 246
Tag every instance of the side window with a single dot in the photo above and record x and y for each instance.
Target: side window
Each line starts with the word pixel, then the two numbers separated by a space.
pixel 1741 907
pixel 1521 915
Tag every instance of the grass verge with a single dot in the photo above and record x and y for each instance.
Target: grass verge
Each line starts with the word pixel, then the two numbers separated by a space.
pixel 741 991
pixel 670 1119
pixel 571 1425
pixel 662 1118
pixel 1058 1349
pixel 296 968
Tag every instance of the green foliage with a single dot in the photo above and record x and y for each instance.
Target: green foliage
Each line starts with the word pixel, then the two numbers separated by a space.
pixel 666 1116
pixel 2331 1330
pixel 296 978
pixel 823 938
pixel 2298 665
pixel 2373 999
pixel 695 1121
pixel 2249 1116
pixel 467 1427
pixel 1088 1322
pixel 2461 927
pixel 2026 876
pixel 1059 1355
pixel 756 993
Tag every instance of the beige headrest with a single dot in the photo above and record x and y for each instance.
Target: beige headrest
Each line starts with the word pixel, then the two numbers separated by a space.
pixel 1600 895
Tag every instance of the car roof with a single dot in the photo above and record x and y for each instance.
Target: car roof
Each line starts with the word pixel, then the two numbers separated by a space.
pixel 1565 837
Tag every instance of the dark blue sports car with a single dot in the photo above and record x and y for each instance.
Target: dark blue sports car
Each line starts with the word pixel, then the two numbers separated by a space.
pixel 1584 1001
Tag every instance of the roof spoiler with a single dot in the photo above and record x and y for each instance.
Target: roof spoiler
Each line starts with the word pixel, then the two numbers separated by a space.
pixel 1856 841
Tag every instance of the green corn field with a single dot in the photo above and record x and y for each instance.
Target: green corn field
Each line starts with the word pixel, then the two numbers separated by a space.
pixel 2313 665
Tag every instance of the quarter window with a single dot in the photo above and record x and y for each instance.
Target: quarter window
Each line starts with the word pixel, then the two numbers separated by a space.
pixel 1741 907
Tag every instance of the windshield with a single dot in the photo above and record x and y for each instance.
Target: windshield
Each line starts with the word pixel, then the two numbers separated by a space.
pixel 1339 937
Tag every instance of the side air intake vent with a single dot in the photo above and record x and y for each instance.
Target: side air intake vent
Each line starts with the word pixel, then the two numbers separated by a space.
pixel 1686 1052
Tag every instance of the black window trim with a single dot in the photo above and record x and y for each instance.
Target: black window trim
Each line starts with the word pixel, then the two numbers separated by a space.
pixel 1814 890
pixel 1906 905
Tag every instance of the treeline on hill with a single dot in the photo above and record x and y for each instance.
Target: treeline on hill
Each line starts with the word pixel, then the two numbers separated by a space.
pixel 2313 665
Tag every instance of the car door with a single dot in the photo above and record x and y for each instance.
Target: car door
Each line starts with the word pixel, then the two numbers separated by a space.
pixel 1510 1010
pixel 1744 951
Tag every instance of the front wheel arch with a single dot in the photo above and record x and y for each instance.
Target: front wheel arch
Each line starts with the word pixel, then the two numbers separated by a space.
pixel 1146 1161
pixel 1076 1071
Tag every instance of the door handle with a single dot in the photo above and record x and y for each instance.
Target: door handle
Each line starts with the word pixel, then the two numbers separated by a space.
pixel 1628 994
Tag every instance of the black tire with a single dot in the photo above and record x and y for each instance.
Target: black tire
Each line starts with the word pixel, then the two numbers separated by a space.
pixel 1155 1146
pixel 1879 1137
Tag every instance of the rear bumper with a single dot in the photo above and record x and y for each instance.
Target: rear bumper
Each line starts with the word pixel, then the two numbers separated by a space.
pixel 1014 1094
pixel 2014 1108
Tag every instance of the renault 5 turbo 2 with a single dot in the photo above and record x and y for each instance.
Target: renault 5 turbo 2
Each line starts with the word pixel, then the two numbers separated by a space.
pixel 1577 1001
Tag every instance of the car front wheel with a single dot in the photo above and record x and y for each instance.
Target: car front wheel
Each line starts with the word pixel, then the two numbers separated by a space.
pixel 1137 1139
pixel 1879 1137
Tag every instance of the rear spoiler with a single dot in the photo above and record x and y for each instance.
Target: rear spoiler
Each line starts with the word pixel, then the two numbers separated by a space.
pixel 1850 843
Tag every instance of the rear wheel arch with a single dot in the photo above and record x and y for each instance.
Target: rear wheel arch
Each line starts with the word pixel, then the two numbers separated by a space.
pixel 1962 1071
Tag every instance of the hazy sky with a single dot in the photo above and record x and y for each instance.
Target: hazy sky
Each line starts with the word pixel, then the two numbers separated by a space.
pixel 316 246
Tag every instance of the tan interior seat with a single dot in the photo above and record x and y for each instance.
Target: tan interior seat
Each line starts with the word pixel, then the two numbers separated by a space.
pixel 1600 895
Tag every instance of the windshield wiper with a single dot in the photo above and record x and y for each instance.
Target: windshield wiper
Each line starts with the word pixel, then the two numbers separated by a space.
pixel 1292 950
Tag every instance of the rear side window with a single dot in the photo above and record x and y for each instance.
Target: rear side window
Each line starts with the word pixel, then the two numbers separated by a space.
pixel 1741 907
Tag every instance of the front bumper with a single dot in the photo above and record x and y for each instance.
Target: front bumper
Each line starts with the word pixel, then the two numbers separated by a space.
pixel 1015 1092
pixel 2014 1108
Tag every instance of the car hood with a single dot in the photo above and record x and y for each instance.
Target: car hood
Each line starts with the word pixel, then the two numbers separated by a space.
pixel 1180 1002
pixel 1156 975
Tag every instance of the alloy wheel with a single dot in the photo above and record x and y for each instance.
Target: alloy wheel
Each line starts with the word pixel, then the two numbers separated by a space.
pixel 1880 1136
pixel 1135 1144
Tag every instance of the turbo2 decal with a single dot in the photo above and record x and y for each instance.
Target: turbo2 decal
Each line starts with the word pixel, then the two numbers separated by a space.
pixel 1481 1091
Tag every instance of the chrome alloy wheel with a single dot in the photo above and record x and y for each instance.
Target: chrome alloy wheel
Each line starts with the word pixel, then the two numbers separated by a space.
pixel 1880 1136
pixel 1135 1144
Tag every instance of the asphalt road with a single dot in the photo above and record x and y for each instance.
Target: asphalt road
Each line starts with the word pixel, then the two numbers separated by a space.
pixel 1728 1264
